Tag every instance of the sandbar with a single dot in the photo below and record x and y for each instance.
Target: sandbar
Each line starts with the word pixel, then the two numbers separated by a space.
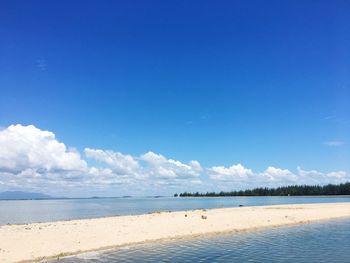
pixel 37 241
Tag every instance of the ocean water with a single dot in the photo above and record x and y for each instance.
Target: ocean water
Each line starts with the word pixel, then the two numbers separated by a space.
pixel 28 211
pixel 325 242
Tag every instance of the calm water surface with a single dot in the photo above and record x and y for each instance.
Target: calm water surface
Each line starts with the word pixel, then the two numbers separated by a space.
pixel 324 242
pixel 28 211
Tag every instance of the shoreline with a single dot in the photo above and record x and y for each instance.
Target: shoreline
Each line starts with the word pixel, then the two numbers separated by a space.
pixel 279 196
pixel 191 237
pixel 170 196
pixel 49 240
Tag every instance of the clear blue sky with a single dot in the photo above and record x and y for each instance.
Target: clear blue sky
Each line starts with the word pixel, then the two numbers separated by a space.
pixel 254 82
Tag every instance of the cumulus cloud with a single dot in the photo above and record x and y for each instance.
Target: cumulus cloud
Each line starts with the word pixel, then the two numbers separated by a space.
pixel 242 177
pixel 316 177
pixel 122 164
pixel 277 175
pixel 159 166
pixel 233 173
pixel 27 147
pixel 35 159
pixel 147 166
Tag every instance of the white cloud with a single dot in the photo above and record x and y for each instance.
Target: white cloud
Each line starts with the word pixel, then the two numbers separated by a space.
pixel 239 177
pixel 277 175
pixel 26 147
pixel 243 177
pixel 159 166
pixel 233 173
pixel 316 177
pixel 148 166
pixel 338 175
pixel 334 143
pixel 33 159
pixel 123 164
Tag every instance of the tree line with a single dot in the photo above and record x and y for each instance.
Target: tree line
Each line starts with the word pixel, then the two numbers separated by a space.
pixel 296 190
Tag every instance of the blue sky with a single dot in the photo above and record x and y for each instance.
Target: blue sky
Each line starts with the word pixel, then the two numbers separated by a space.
pixel 260 83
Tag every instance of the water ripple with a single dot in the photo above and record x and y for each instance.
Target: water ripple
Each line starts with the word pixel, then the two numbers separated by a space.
pixel 318 242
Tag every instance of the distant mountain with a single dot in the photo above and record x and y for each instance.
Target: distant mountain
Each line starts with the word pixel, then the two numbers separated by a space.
pixel 18 195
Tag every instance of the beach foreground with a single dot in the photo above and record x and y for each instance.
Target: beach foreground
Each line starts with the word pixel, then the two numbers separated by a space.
pixel 55 239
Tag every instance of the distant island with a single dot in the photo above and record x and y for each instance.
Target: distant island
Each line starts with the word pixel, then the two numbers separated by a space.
pixel 19 195
pixel 292 190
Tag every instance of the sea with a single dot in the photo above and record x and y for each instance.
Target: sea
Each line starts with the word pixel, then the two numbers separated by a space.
pixel 321 242
pixel 31 211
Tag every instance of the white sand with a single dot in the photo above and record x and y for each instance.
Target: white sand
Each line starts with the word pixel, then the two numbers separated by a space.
pixel 47 240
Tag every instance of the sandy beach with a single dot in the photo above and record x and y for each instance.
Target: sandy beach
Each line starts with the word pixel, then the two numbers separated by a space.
pixel 31 242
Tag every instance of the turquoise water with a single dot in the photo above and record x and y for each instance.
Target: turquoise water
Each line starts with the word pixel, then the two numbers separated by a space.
pixel 28 211
pixel 311 243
